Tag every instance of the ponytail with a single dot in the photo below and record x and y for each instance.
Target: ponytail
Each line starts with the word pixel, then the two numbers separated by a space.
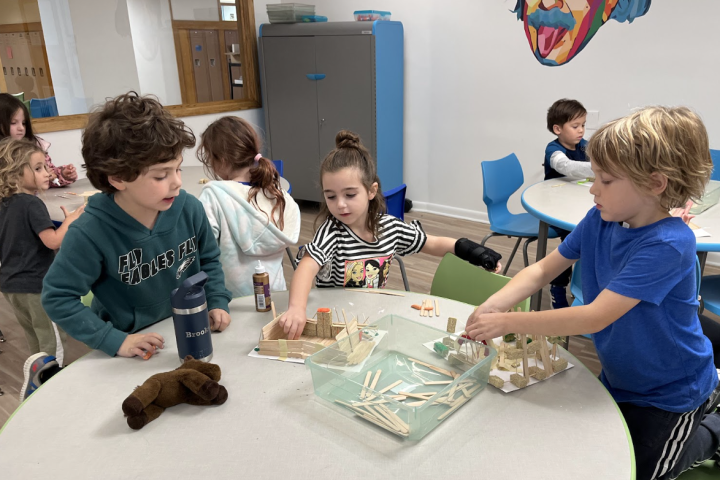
pixel 265 177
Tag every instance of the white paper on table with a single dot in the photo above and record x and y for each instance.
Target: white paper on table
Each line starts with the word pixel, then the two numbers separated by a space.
pixel 505 375
pixel 354 368
pixel 700 232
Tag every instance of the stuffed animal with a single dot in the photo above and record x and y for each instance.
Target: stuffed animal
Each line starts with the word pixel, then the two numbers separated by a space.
pixel 194 382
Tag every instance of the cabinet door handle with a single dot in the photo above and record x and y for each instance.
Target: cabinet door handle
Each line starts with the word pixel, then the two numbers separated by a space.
pixel 315 76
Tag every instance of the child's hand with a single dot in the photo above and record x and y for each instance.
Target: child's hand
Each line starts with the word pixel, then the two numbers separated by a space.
pixel 498 269
pixel 72 216
pixel 486 326
pixel 293 322
pixel 219 319
pixel 69 173
pixel 683 213
pixel 475 316
pixel 53 175
pixel 138 344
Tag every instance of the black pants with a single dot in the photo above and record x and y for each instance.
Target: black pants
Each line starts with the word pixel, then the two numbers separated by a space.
pixel 562 280
pixel 666 443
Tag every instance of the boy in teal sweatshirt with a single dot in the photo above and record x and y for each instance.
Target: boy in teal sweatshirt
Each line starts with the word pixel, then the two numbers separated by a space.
pixel 139 239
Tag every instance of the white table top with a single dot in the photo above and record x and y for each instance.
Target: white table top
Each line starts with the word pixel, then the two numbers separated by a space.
pixel 191 184
pixel 563 203
pixel 274 426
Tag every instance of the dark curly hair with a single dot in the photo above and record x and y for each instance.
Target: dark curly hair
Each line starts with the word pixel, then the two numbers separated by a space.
pixel 351 153
pixel 128 135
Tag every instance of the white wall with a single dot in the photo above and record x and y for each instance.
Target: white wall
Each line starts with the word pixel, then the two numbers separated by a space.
pixel 474 91
pixel 154 47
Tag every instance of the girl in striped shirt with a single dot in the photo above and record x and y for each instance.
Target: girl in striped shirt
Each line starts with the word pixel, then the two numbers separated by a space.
pixel 356 232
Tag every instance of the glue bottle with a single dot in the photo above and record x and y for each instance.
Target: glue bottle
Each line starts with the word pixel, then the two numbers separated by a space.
pixel 261 284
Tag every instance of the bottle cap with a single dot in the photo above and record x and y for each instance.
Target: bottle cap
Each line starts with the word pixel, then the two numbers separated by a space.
pixel 259 268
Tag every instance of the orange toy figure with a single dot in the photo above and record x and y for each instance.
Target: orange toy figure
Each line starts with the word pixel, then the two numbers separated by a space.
pixel 194 382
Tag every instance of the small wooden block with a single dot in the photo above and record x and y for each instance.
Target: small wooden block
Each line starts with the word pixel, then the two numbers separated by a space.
pixel 518 380
pixel 559 365
pixel 496 381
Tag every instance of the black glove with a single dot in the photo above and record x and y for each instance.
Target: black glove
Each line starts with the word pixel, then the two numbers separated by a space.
pixel 477 254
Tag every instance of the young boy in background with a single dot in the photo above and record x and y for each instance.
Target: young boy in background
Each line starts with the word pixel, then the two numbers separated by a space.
pixel 565 157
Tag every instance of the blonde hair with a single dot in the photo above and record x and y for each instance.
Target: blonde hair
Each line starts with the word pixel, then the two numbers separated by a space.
pixel 671 141
pixel 14 158
pixel 349 268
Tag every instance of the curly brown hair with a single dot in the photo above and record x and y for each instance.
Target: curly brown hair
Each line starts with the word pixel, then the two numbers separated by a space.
pixel 15 157
pixel 231 144
pixel 671 141
pixel 129 134
pixel 349 152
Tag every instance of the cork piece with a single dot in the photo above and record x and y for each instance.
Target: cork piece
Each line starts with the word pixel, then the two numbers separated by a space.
pixel 532 370
pixel 518 380
pixel 452 323
pixel 559 365
pixel 324 323
pixel 533 348
pixel 540 374
pixel 496 381
pixel 513 353
pixel 203 181
pixel 310 329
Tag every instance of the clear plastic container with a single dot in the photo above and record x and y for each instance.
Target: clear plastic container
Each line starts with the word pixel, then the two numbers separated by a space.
pixel 371 15
pixel 289 12
pixel 402 355
pixel 313 18
pixel 710 198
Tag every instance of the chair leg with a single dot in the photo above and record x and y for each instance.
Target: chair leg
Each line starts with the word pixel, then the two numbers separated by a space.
pixel 292 260
pixel 489 235
pixel 401 264
pixel 512 255
pixel 525 250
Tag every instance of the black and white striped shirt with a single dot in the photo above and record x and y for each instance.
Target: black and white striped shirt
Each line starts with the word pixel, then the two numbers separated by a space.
pixel 346 260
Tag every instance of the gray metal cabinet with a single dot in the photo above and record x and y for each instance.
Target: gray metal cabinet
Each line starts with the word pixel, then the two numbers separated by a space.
pixel 318 79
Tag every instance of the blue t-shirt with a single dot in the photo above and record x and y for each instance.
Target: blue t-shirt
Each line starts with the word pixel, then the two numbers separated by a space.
pixel 656 354
pixel 555 146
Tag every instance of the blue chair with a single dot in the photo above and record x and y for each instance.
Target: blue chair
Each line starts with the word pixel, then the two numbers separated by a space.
pixel 278 166
pixel 502 178
pixel 395 201
pixel 715 155
pixel 710 294
pixel 43 107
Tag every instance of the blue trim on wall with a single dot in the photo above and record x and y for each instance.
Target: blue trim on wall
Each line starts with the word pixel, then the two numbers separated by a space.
pixel 389 75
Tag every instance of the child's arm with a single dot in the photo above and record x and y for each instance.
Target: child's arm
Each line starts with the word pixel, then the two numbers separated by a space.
pixel 52 238
pixel 465 249
pixel 606 309
pixel 293 321
pixel 570 168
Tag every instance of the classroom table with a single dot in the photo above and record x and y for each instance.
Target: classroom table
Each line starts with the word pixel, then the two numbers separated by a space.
pixel 274 426
pixel 563 203
pixel 56 197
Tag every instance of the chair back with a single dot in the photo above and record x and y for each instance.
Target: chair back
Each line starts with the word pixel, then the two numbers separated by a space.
pixel 20 96
pixel 715 155
pixel 395 201
pixel 458 280
pixel 43 107
pixel 278 166
pixel 500 178
pixel 576 284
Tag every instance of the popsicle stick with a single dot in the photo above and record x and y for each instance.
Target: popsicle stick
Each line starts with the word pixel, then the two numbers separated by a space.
pixel 376 292
pixel 437 308
pixel 365 384
pixel 375 380
pixel 272 306
pixel 390 387
pixel 439 382
pixel 433 367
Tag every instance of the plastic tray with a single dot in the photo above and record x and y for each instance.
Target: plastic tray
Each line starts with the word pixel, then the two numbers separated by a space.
pixel 709 198
pixel 371 15
pixel 398 355
pixel 289 12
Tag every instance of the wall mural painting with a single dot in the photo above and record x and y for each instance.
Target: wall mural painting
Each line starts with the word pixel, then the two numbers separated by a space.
pixel 558 30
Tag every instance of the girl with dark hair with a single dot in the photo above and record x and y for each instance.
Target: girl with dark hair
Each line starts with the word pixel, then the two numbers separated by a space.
pixel 356 227
pixel 15 123
pixel 252 218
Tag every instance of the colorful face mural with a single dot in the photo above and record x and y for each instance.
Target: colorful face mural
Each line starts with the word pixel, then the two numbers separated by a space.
pixel 558 30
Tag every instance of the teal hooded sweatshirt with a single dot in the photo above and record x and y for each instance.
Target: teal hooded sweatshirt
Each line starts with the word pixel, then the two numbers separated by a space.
pixel 130 269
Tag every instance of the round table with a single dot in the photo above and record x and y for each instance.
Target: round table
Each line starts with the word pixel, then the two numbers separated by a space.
pixel 273 425
pixel 56 197
pixel 563 203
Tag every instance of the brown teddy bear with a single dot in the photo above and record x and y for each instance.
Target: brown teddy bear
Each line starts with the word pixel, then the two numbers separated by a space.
pixel 194 382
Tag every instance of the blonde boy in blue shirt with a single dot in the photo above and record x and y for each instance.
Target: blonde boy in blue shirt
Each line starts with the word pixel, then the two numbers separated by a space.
pixel 638 282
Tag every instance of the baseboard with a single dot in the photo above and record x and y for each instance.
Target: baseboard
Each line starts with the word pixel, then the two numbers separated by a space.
pixel 454 212
pixel 477 216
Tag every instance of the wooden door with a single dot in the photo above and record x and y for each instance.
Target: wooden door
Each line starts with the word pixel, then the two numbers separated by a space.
pixel 200 66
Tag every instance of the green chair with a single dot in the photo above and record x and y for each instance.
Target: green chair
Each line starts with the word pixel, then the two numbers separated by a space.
pixel 458 280
pixel 87 299
pixel 21 96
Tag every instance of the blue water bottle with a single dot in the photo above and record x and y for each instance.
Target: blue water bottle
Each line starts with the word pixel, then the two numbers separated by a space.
pixel 190 317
